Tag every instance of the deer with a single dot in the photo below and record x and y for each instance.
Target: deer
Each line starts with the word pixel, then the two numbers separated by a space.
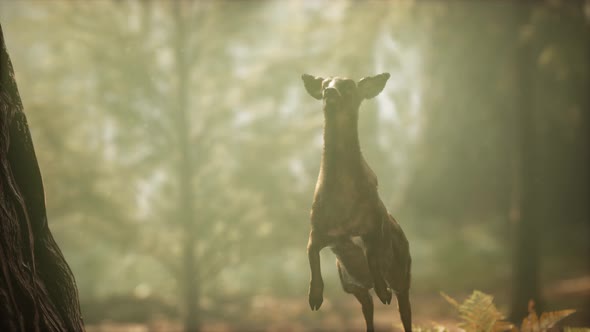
pixel 347 214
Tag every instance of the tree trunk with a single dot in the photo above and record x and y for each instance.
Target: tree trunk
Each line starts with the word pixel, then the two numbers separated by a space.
pixel 190 278
pixel 37 287
pixel 525 255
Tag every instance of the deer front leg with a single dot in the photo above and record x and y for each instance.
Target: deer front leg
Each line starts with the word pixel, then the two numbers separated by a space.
pixel 316 285
pixel 372 245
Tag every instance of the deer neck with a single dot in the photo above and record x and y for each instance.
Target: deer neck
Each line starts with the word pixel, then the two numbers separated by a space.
pixel 341 144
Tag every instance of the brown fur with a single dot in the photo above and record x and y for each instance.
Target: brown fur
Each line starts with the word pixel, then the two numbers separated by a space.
pixel 346 207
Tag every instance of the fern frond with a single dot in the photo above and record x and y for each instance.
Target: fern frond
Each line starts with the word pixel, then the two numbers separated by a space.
pixel 479 314
pixel 531 322
pixel 549 319
pixel 449 299
pixel 534 323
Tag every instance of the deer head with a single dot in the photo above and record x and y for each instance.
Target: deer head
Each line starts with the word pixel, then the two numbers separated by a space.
pixel 342 98
pixel 343 95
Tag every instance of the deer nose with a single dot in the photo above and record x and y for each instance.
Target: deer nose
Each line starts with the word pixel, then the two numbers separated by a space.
pixel 331 94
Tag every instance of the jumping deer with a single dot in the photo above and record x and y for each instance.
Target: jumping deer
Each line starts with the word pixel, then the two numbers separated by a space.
pixel 347 214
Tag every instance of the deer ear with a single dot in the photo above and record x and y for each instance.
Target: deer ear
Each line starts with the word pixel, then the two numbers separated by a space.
pixel 313 85
pixel 370 87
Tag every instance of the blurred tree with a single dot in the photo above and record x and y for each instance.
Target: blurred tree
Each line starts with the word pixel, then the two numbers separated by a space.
pixel 547 49
pixel 525 261
pixel 494 123
pixel 79 176
pixel 170 111
pixel 125 131
pixel 168 122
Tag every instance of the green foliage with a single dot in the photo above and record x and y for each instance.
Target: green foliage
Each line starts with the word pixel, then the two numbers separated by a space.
pixel 479 314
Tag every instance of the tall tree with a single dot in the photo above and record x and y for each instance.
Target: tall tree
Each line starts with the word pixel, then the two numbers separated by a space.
pixel 163 98
pixel 525 261
pixel 550 72
pixel 185 174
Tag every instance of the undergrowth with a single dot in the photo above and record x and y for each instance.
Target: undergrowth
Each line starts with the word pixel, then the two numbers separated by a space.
pixel 478 313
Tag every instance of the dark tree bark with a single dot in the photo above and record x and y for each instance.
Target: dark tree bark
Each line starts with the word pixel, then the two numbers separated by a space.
pixel 37 287
pixel 525 255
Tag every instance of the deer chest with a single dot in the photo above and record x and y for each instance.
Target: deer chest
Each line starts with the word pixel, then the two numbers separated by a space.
pixel 345 207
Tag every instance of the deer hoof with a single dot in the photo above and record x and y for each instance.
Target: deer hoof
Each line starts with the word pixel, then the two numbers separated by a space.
pixel 316 297
pixel 384 295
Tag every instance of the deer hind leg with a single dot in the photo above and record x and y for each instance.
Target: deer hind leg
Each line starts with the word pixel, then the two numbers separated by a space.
pixel 398 273
pixel 375 260
pixel 400 285
pixel 355 277
pixel 405 310
pixel 362 295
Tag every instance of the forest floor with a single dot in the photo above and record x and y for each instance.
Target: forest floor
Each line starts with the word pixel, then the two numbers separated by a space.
pixel 341 312
pixel 293 315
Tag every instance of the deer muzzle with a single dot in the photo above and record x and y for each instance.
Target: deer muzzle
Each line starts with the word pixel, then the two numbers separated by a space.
pixel 331 95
